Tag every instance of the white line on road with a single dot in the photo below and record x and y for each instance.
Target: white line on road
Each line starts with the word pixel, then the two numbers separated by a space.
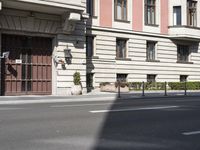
pixel 5 108
pixel 191 133
pixel 134 109
pixel 80 105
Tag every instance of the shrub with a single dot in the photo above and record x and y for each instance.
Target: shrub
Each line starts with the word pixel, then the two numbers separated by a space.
pixel 157 85
pixel 77 78
pixel 135 85
pixel 122 84
pixel 181 85
pixel 147 85
pixel 193 85
pixel 154 86
pixel 176 85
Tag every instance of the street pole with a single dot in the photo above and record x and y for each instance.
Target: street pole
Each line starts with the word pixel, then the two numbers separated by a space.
pixel 165 88
pixel 119 95
pixel 0 78
pixel 185 88
pixel 143 89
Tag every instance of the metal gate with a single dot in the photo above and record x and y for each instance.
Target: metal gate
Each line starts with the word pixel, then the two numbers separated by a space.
pixel 28 70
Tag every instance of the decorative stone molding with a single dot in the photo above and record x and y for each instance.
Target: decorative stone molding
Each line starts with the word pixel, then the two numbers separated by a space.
pixel 31 24
pixel 70 20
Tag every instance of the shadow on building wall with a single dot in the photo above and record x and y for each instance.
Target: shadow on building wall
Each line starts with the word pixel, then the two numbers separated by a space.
pixel 90 68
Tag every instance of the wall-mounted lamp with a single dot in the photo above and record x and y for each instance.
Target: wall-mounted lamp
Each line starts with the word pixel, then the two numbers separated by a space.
pixel 5 55
pixel 67 57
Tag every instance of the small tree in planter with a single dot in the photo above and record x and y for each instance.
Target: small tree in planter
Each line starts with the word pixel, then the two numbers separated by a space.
pixel 77 88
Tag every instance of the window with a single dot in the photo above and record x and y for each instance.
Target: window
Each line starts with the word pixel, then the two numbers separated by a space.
pixel 89 46
pixel 89 78
pixel 151 78
pixel 183 53
pixel 151 51
pixel 121 48
pixel 192 13
pixel 91 7
pixel 183 78
pixel 177 15
pixel 150 12
pixel 122 77
pixel 121 10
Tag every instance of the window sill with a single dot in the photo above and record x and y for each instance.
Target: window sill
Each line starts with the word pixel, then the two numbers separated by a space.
pixel 152 60
pixel 184 26
pixel 94 17
pixel 123 21
pixel 152 25
pixel 123 59
pixel 184 62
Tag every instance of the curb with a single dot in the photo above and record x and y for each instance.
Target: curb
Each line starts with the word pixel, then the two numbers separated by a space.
pixel 89 99
pixel 18 102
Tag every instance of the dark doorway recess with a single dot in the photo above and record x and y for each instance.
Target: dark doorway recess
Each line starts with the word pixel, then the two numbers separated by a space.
pixel 28 70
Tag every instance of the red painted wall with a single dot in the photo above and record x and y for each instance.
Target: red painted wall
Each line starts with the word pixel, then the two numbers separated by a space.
pixel 138 15
pixel 106 13
pixel 164 16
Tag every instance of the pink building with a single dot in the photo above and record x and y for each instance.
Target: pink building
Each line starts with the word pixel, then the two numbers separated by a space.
pixel 143 40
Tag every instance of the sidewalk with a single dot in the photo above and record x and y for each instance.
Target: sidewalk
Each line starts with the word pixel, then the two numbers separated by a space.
pixel 89 97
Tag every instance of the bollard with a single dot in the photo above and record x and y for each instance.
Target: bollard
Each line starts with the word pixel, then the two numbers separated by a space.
pixel 143 89
pixel 165 88
pixel 185 88
pixel 119 95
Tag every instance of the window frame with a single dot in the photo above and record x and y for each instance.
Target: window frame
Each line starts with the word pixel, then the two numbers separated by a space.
pixel 192 16
pixel 151 80
pixel 123 79
pixel 177 24
pixel 123 17
pixel 152 5
pixel 154 51
pixel 118 50
pixel 183 78
pixel 181 51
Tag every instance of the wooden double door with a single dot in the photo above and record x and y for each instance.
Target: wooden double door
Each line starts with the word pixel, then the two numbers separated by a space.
pixel 28 70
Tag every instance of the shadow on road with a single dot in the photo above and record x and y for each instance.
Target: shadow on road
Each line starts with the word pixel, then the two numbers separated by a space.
pixel 143 130
pixel 120 131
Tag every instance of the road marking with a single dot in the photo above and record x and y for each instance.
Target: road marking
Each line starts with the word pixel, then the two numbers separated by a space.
pixel 191 133
pixel 134 109
pixel 1 109
pixel 80 105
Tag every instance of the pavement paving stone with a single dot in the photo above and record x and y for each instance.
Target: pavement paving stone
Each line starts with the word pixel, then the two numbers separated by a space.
pixel 100 96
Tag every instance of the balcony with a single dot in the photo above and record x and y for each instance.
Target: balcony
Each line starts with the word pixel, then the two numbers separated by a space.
pixel 184 33
pixel 46 6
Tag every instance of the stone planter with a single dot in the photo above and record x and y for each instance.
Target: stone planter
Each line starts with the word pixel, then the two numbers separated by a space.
pixel 76 90
pixel 107 88
pixel 123 89
pixel 113 88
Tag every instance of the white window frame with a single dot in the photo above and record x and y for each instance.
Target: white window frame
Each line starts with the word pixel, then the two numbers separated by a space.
pixel 175 16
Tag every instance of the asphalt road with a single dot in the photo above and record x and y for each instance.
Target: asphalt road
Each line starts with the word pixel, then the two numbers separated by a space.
pixel 141 124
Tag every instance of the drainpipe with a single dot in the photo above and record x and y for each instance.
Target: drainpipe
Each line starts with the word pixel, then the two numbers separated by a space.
pixel 1 93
